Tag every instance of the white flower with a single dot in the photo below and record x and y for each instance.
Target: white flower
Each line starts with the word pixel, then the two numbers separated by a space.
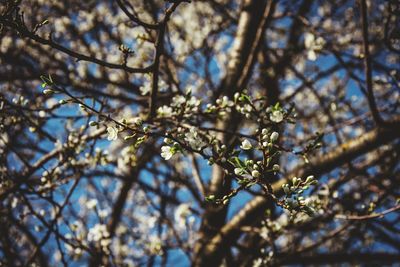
pixel 246 145
pixel 145 89
pixel 276 116
pixel 112 133
pixel 91 203
pixel 164 111
pixel 178 101
pixel 313 45
pixel 259 261
pixel 224 102
pixel 193 139
pixel 181 214
pixel 78 251
pixel 103 213
pixel 98 232
pixel 42 114
pixel 162 85
pixel 309 39
pixel 193 102
pixel 166 152
pixel 274 136
pixel 311 55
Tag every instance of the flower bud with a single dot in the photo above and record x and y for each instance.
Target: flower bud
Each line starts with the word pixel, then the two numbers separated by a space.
pixel 274 136
pixel 210 198
pixel 246 145
pixel 286 189
pixel 128 137
pixel 276 168
pixel 309 179
pixel 255 174
pixel 249 162
pixel 48 92
pixel 265 144
pixel 238 171
pixel 296 181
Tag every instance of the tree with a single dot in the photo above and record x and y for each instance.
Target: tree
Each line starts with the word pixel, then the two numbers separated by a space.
pixel 203 133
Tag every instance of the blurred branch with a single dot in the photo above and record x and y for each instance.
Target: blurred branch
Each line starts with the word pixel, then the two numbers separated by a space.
pixel 159 51
pixel 369 216
pixel 196 176
pixel 251 26
pixel 332 258
pixel 368 66
pixel 252 23
pixel 134 18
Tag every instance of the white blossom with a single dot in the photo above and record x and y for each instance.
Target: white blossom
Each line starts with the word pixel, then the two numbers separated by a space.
pixel 181 214
pixel 238 171
pixel 91 203
pixel 276 167
pixel 313 45
pixel 276 116
pixel 274 136
pixel 165 111
pixel 146 87
pixel 98 232
pixel 193 139
pixel 166 152
pixel 112 133
pixel 178 101
pixel 193 102
pixel 104 213
pixel 246 145
pixel 225 102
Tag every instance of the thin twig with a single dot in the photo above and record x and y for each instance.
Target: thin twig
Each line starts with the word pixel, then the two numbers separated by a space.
pixel 369 216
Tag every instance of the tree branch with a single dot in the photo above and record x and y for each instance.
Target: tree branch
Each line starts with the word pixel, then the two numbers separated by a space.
pixel 368 67
pixel 368 216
